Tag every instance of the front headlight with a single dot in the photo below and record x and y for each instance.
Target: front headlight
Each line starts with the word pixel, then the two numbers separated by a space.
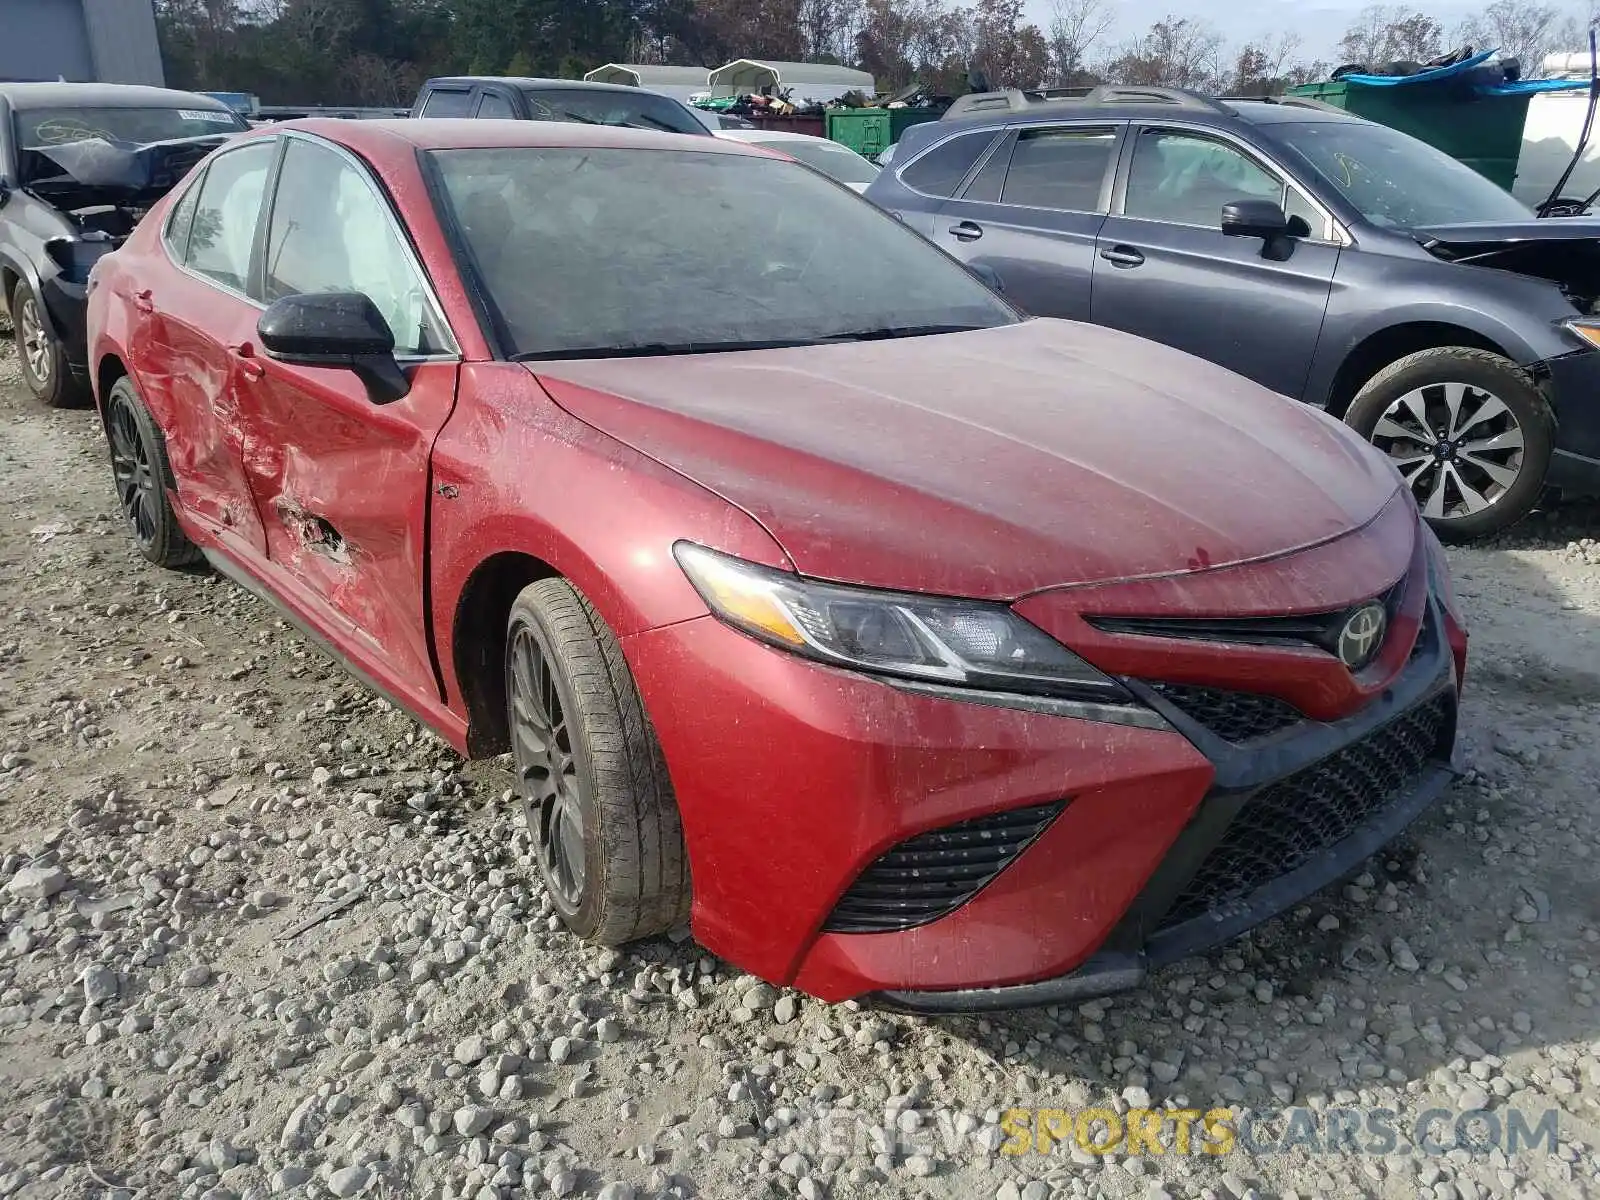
pixel 1586 329
pixel 956 643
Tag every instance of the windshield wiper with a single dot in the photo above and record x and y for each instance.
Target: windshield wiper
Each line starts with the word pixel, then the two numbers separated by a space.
pixel 648 349
pixel 889 332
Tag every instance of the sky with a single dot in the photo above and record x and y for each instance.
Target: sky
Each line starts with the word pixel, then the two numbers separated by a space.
pixel 1320 23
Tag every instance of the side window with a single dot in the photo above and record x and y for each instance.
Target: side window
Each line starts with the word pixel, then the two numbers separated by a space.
pixel 1186 180
pixel 940 171
pixel 223 228
pixel 494 106
pixel 1060 168
pixel 331 232
pixel 1298 206
pixel 448 102
pixel 987 184
pixel 181 219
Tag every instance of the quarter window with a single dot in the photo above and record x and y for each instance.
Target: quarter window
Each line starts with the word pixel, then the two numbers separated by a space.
pixel 181 219
pixel 331 232
pixel 1060 168
pixel 223 228
pixel 940 171
pixel 1186 180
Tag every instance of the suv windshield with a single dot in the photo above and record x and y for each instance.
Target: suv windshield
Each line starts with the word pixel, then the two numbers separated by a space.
pixel 836 161
pixel 602 252
pixel 642 110
pixel 1395 180
pixel 38 128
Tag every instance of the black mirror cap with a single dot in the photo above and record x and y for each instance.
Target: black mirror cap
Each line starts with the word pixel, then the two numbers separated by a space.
pixel 335 329
pixel 1254 218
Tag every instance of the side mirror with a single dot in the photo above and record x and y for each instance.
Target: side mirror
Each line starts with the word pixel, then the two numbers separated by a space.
pixel 1254 219
pixel 335 329
pixel 990 277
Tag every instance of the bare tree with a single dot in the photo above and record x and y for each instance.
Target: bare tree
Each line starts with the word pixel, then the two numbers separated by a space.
pixel 1176 52
pixel 1382 35
pixel 1076 27
pixel 1519 29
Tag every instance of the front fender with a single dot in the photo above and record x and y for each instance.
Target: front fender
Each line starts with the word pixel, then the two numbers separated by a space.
pixel 513 473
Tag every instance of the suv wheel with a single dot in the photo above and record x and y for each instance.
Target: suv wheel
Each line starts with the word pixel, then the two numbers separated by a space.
pixel 594 790
pixel 1467 429
pixel 44 364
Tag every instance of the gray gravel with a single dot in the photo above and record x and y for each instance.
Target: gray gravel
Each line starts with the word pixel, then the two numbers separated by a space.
pixel 261 935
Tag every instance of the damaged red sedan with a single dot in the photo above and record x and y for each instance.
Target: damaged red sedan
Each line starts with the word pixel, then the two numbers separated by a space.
pixel 910 647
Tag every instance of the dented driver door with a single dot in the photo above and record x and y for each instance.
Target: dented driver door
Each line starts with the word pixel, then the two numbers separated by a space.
pixel 341 481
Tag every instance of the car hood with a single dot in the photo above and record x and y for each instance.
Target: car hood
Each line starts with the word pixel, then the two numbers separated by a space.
pixel 1563 250
pixel 90 172
pixel 1502 233
pixel 992 463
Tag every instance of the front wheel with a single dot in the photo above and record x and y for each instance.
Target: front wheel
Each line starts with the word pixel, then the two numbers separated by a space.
pixel 44 363
pixel 594 789
pixel 1469 432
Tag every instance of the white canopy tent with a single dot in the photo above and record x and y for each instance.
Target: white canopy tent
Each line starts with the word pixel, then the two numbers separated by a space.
pixel 804 81
pixel 677 82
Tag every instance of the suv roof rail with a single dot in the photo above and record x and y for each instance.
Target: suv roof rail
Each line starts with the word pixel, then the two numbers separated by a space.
pixel 1116 93
pixel 1018 100
pixel 1293 102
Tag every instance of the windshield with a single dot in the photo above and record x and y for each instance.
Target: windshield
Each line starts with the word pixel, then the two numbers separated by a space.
pixel 38 128
pixel 600 252
pixel 642 110
pixel 1395 180
pixel 831 159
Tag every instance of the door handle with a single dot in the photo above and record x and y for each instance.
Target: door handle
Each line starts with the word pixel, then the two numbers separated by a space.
pixel 249 365
pixel 143 303
pixel 966 231
pixel 1123 257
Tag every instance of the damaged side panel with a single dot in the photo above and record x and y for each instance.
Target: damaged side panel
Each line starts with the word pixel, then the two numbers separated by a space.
pixel 342 485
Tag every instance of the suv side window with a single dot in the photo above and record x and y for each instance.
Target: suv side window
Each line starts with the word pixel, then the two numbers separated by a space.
pixel 1185 179
pixel 1060 168
pixel 496 107
pixel 940 171
pixel 448 102
pixel 331 232
pixel 222 231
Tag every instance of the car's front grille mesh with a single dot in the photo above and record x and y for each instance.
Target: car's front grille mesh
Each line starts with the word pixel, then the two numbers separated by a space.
pixel 1232 716
pixel 931 875
pixel 1286 824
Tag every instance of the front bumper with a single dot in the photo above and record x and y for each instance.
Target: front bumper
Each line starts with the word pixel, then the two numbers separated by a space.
pixel 1572 382
pixel 807 778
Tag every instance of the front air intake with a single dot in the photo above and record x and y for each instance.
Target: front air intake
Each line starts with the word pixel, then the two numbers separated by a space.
pixel 935 873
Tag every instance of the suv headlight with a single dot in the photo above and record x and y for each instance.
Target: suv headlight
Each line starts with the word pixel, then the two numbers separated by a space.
pixel 956 643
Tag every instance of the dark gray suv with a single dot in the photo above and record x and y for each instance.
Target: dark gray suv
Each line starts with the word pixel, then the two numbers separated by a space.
pixel 1331 259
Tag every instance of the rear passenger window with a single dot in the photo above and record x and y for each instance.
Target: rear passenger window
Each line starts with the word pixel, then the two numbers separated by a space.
pixel 1060 168
pixel 223 229
pixel 940 171
pixel 447 103
pixel 181 218
pixel 987 186
pixel 495 107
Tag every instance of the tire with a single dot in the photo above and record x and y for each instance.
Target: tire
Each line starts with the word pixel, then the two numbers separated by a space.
pixel 142 476
pixel 44 363
pixel 1468 430
pixel 629 847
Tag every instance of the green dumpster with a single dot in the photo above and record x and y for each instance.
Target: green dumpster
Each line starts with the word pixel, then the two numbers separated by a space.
pixel 871 131
pixel 1482 131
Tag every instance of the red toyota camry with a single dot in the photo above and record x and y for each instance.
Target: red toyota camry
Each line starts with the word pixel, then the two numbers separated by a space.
pixel 909 646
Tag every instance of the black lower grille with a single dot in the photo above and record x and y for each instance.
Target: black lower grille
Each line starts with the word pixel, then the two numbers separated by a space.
pixel 1284 825
pixel 935 873
pixel 1232 716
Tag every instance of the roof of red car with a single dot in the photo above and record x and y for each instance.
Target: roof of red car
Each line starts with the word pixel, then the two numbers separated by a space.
pixel 469 133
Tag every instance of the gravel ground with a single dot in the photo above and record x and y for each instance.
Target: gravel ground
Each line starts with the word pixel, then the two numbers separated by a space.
pixel 263 935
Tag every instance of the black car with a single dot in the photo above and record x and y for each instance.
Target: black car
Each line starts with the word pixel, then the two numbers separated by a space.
pixel 79 165
pixel 1337 261
pixel 516 99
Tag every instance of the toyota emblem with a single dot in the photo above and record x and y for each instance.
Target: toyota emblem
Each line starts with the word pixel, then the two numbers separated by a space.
pixel 1362 635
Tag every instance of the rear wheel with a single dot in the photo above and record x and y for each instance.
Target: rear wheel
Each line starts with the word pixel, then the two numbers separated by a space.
pixel 594 789
pixel 1469 432
pixel 44 363
pixel 141 474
